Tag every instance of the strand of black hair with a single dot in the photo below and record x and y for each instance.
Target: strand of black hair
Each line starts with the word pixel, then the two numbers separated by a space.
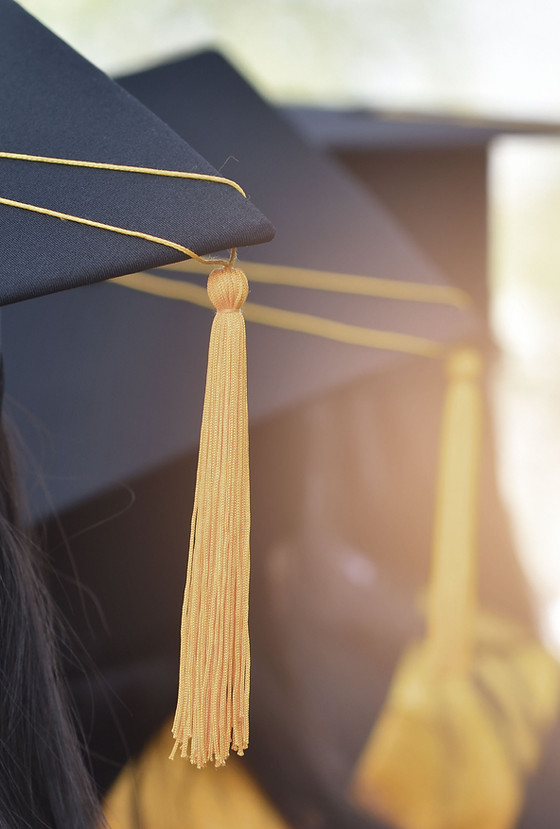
pixel 43 778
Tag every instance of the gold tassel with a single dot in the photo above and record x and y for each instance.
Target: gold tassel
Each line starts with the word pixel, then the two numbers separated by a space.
pixel 437 758
pixel 213 702
pixel 468 706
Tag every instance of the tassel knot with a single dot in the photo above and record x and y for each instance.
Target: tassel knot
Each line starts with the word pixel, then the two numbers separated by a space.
pixel 464 364
pixel 227 288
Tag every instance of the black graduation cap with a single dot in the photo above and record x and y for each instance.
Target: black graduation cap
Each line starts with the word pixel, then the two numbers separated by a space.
pixel 429 170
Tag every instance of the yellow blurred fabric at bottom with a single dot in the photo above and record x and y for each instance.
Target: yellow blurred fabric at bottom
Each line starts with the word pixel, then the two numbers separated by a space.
pixel 158 793
pixel 447 752
pixel 453 751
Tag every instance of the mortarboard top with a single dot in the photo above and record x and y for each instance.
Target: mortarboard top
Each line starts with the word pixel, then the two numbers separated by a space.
pixel 429 170
pixel 55 104
pixel 326 222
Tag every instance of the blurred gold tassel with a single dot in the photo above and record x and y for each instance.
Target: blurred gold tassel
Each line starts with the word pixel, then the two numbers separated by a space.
pixel 213 702
pixel 467 707
pixel 152 793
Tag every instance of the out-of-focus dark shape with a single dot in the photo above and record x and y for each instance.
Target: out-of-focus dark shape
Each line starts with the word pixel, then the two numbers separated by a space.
pixel 430 171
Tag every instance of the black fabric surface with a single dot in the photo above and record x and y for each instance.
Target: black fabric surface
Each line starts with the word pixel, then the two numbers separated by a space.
pixel 54 103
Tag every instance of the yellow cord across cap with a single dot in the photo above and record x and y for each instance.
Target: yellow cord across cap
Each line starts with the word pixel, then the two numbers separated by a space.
pixel 122 168
pixel 345 283
pixel 340 332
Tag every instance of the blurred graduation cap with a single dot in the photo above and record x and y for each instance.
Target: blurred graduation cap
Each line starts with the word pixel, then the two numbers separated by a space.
pixel 430 171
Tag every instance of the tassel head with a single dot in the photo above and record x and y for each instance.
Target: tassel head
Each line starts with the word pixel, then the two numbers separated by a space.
pixel 227 288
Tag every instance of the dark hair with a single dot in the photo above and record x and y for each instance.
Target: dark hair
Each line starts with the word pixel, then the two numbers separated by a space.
pixel 43 779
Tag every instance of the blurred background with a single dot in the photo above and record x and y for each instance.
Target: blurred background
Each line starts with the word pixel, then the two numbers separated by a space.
pixel 467 56
pixel 472 58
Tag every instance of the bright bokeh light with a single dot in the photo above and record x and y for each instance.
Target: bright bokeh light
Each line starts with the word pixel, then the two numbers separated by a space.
pixel 463 55
pixel 551 626
pixel 525 206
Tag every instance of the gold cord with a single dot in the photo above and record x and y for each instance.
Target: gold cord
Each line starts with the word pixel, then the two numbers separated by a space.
pixel 91 223
pixel 344 283
pixel 287 320
pixel 123 168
